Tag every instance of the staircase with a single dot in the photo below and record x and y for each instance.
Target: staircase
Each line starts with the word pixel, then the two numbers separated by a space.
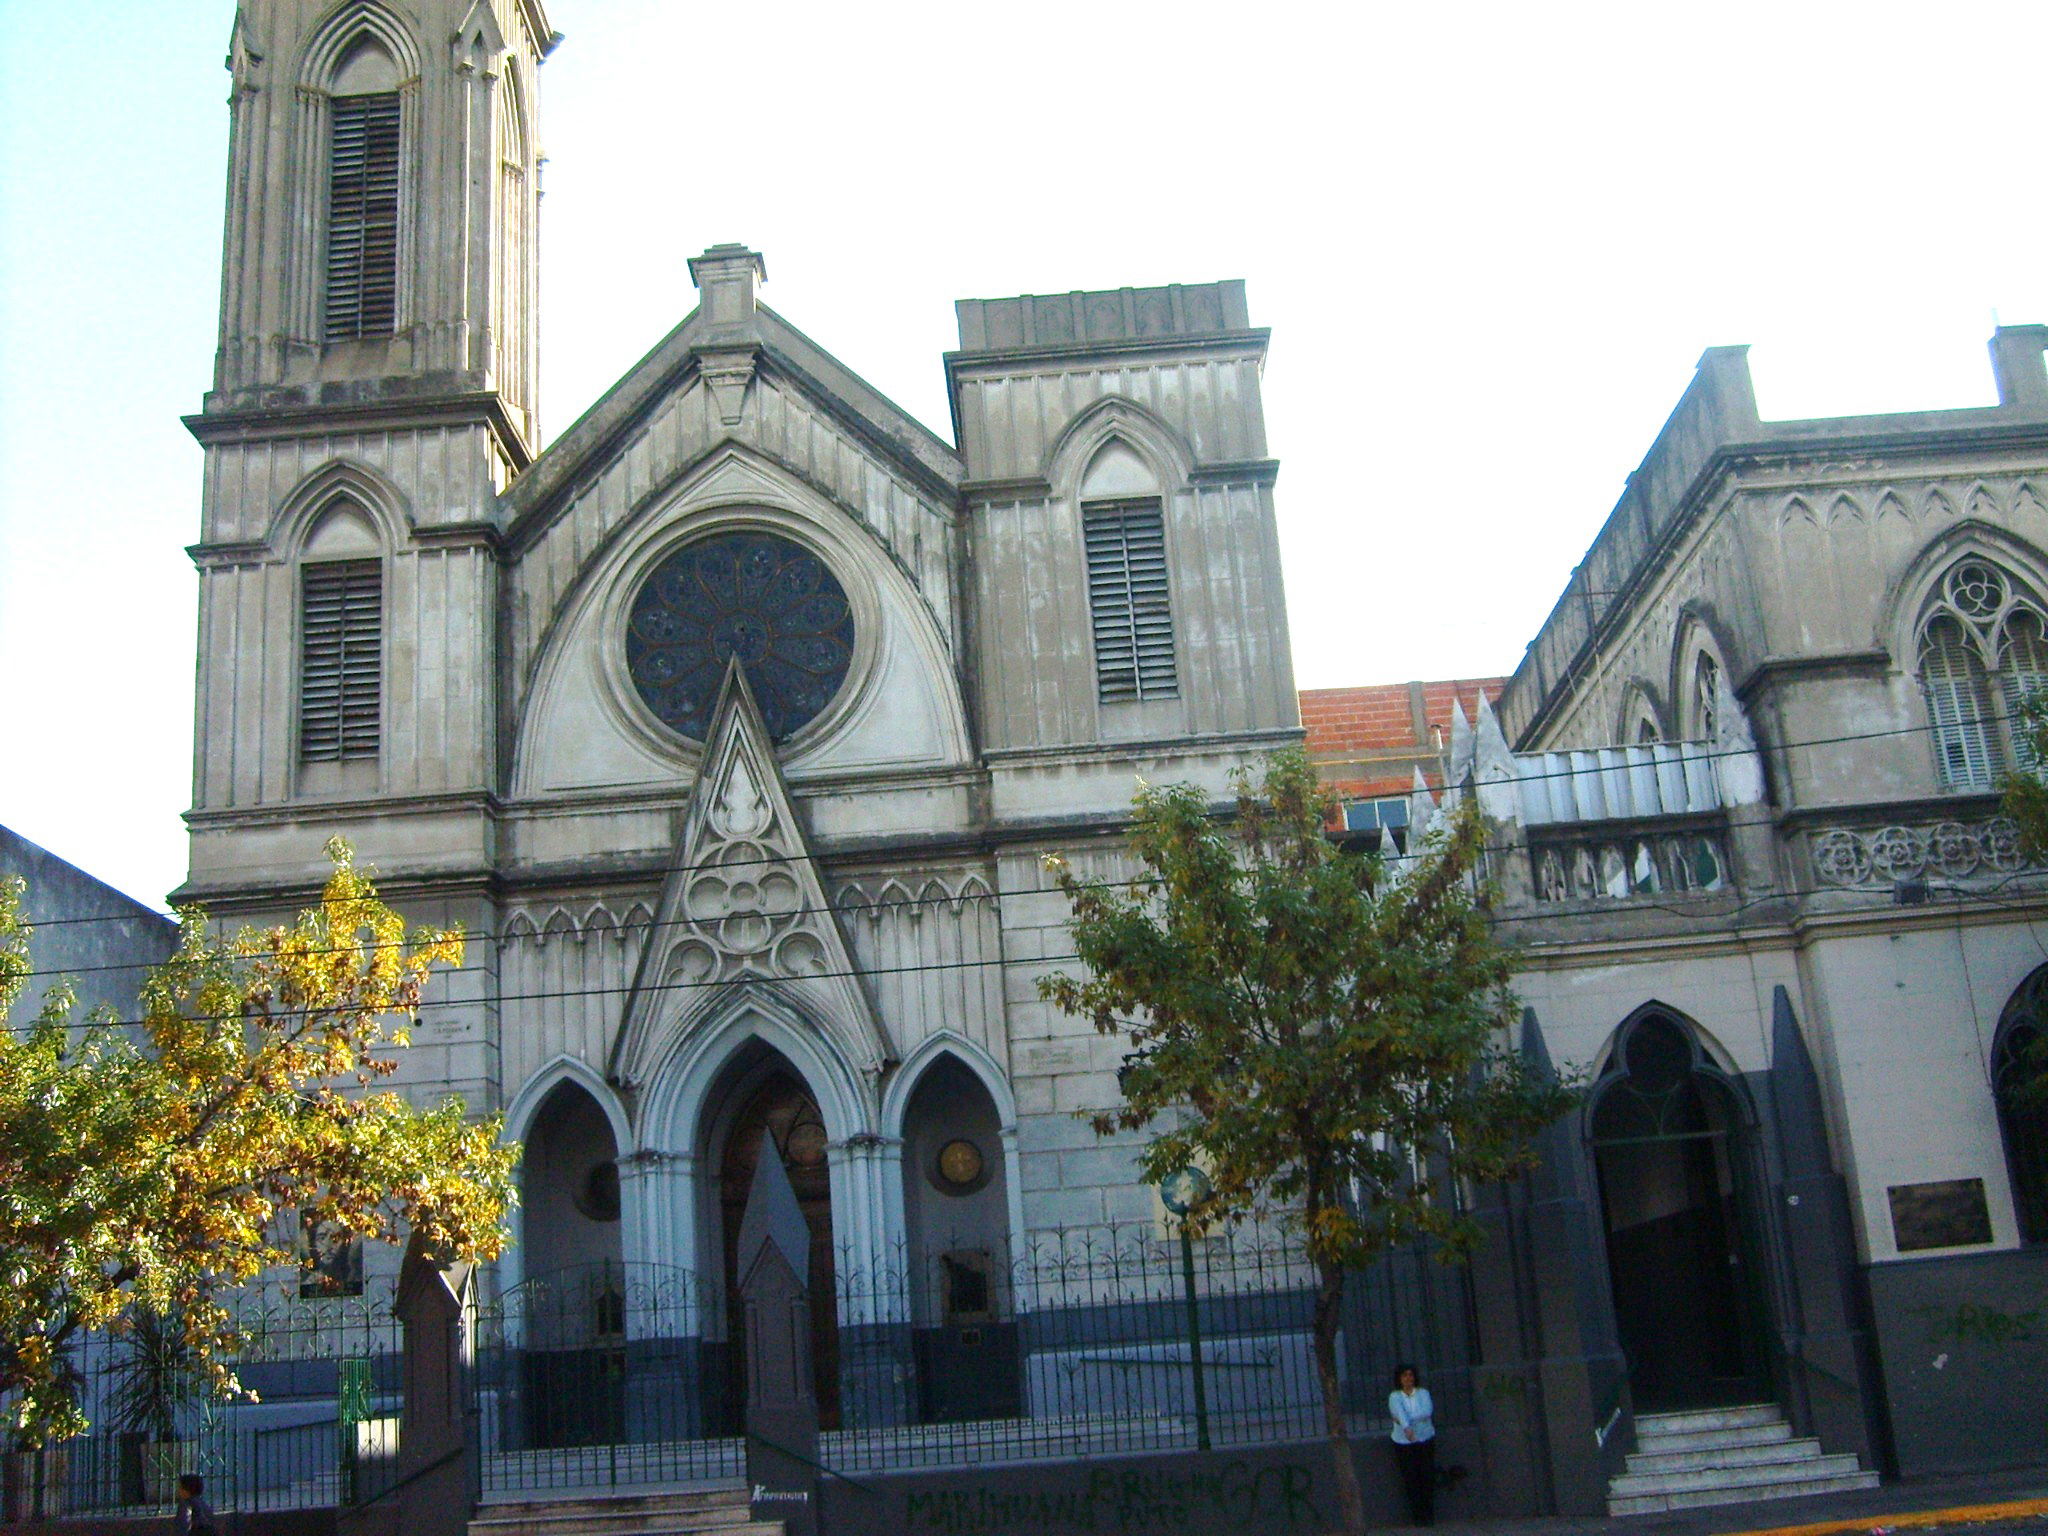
pixel 1725 1456
pixel 719 1510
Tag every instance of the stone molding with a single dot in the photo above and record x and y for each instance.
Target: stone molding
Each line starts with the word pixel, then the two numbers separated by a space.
pixel 1874 858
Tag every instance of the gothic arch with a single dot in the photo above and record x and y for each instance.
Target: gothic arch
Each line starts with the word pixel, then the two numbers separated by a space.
pixel 682 1080
pixel 903 1083
pixel 1639 710
pixel 1710 1055
pixel 348 24
pixel 566 1069
pixel 2019 1075
pixel 1171 456
pixel 1906 601
pixel 338 480
pixel 1699 634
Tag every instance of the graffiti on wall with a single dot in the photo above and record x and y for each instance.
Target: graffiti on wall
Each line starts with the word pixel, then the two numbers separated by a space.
pixel 1224 1496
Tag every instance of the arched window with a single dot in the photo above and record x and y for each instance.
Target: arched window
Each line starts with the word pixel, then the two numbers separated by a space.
pixel 362 196
pixel 2019 1078
pixel 1706 696
pixel 341 638
pixel 1983 651
pixel 1123 528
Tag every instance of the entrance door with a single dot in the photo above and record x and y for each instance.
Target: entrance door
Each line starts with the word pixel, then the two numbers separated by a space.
pixel 1669 1144
pixel 782 1108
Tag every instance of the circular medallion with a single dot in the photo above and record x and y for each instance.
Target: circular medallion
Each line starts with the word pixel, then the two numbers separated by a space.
pixel 598 1196
pixel 806 1144
pixel 755 598
pixel 960 1166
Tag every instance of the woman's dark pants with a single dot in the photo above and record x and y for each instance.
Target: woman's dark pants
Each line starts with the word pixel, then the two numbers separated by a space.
pixel 1418 1479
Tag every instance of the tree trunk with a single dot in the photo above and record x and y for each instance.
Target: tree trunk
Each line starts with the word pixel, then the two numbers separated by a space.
pixel 1329 1305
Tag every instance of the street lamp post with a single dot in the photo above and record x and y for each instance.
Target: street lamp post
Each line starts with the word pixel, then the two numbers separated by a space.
pixel 1181 1192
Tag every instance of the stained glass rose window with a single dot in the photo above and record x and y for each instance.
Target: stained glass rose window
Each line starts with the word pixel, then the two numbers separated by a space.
pixel 759 597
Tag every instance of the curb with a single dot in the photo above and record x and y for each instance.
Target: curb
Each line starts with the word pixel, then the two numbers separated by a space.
pixel 1916 1519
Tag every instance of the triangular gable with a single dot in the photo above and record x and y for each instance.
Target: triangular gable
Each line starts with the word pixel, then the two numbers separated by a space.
pixel 722 354
pixel 743 907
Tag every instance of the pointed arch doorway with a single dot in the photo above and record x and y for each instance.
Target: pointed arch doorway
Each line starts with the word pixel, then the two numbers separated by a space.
pixel 1678 1194
pixel 777 1109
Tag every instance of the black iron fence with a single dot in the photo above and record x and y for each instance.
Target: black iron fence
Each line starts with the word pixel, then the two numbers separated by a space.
pixel 1080 1343
pixel 314 1425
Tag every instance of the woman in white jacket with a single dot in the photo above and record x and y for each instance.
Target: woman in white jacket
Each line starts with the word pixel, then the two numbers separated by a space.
pixel 1414 1416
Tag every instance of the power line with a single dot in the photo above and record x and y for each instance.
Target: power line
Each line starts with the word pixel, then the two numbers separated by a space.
pixel 1494 920
pixel 2004 718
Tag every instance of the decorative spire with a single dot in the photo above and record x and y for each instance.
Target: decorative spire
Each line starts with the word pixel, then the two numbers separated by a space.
pixel 1498 780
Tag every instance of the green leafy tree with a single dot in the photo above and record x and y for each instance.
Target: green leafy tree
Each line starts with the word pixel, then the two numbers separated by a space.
pixel 1309 1030
pixel 149 1169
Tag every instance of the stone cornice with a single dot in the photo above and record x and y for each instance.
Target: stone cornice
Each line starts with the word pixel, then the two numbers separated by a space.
pixel 265 423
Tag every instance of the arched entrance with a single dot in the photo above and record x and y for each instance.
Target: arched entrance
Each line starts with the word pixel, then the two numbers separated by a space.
pixel 2019 1078
pixel 956 1219
pixel 777 1109
pixel 569 1186
pixel 1677 1194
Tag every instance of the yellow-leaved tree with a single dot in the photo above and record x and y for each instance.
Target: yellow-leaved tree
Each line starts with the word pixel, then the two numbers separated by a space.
pixel 150 1167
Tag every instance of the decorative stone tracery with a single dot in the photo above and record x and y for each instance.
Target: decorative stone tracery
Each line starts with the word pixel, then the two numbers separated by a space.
pixel 1852 857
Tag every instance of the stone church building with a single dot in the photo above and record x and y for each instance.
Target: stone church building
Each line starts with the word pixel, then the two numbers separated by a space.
pixel 735 721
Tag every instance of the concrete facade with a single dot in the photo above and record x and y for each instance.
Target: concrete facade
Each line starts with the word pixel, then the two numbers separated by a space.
pixel 1716 796
pixel 885 915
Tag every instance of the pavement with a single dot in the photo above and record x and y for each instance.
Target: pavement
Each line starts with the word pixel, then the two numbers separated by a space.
pixel 1988 1504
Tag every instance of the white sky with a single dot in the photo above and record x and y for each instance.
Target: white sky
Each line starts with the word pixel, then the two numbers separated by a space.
pixel 1491 241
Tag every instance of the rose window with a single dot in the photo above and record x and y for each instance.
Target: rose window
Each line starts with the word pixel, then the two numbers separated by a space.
pixel 757 598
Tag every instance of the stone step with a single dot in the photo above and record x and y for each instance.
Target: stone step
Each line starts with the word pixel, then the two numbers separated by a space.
pixel 1708 1418
pixel 1816 1469
pixel 724 1521
pixel 1777 1449
pixel 669 1512
pixel 1711 1439
pixel 1697 1498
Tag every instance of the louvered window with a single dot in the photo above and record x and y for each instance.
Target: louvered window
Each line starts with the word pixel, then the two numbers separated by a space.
pixel 341 660
pixel 2022 672
pixel 362 218
pixel 1959 704
pixel 1127 600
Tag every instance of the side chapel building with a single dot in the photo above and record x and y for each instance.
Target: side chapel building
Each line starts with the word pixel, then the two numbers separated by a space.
pixel 736 721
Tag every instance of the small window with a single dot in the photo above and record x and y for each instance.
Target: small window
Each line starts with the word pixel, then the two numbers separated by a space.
pixel 341 660
pixel 1388 817
pixel 362 217
pixel 1127 600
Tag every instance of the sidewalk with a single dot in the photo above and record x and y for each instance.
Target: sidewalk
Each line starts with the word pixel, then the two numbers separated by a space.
pixel 1926 1504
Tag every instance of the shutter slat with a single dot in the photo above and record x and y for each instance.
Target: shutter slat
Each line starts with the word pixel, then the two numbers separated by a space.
pixel 1132 619
pixel 362 217
pixel 341 660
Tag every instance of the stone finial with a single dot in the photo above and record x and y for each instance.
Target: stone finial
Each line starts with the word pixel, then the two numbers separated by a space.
pixel 2017 365
pixel 1493 768
pixel 1463 746
pixel 726 275
pixel 1421 811
pixel 1740 766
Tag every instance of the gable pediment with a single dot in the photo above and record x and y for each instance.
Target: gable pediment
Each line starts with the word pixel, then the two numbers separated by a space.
pixel 742 907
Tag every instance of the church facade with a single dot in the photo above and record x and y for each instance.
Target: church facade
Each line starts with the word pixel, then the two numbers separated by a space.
pixel 735 724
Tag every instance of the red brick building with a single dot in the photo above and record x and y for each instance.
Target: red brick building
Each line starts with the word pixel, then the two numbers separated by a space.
pixel 1368 742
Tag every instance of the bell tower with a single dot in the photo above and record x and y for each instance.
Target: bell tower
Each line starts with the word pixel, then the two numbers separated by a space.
pixel 381 205
pixel 373 395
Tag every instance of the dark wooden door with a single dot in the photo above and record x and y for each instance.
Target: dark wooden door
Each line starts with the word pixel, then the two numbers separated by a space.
pixel 783 1109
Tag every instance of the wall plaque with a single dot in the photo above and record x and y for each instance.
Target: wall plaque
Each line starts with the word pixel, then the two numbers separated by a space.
pixel 1948 1214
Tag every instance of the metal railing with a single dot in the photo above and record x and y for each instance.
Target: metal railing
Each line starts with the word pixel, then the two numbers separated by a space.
pixel 1078 1344
pixel 314 1426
